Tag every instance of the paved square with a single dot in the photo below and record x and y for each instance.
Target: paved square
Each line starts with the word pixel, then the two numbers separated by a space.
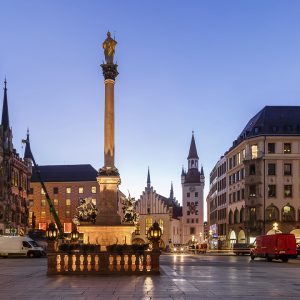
pixel 183 277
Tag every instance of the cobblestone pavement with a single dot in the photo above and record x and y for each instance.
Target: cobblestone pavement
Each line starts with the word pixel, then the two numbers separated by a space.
pixel 182 277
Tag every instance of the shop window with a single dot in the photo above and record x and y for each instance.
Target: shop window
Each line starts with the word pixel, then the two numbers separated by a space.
pixel 272 213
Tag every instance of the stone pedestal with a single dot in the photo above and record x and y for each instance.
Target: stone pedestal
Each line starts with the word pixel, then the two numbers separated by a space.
pixel 107 235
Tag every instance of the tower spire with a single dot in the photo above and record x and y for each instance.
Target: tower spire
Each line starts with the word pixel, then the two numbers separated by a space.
pixel 27 153
pixel 193 150
pixel 148 179
pixel 5 117
pixel 171 191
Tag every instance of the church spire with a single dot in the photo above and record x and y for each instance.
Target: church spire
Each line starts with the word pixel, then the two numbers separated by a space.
pixel 171 191
pixel 27 153
pixel 148 179
pixel 5 117
pixel 193 150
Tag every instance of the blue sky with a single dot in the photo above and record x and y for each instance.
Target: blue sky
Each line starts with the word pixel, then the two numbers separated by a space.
pixel 206 66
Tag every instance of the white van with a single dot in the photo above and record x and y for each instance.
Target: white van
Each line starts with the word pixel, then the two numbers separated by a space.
pixel 19 246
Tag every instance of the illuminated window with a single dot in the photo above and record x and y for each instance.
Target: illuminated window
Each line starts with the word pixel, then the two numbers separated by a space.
pixel 68 190
pixel 42 191
pixel 94 189
pixel 148 224
pixel 55 201
pixel 243 153
pixel 43 214
pixel 67 227
pixel 287 148
pixel 272 213
pixel 94 201
pixel 43 202
pixel 288 191
pixel 68 202
pixel 68 213
pixel 238 158
pixel 288 213
pixel 31 202
pixel 161 225
pixel 80 190
pixel 43 226
pixel 254 151
pixel 252 190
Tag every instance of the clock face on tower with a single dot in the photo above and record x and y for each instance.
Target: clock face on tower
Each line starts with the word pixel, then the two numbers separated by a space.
pixel 192 189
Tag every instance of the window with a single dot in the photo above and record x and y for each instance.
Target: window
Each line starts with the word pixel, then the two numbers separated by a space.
pixel 26 244
pixel 271 190
pixel 68 202
pixel 271 169
pixel 196 220
pixel 31 191
pixel 188 221
pixel 42 191
pixel 252 169
pixel 243 193
pixel 55 190
pixel 188 195
pixel 55 202
pixel 148 224
pixel 254 151
pixel 272 213
pixel 31 203
pixel 271 148
pixel 236 216
pixel 287 148
pixel 94 201
pixel 287 169
pixel 68 213
pixel 43 202
pixel 80 190
pixel 252 190
pixel 288 213
pixel 192 230
pixel 238 195
pixel 230 217
pixel 43 214
pixel 288 191
pixel 242 213
pixel 252 214
pixel 238 158
pixel 196 194
pixel 68 190
pixel 67 227
pixel 193 221
pixel 94 189
pixel 234 196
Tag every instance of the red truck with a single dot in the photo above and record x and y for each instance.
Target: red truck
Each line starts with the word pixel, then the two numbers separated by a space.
pixel 275 246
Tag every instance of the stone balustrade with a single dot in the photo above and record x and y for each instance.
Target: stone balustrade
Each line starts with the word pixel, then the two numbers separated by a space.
pixel 103 263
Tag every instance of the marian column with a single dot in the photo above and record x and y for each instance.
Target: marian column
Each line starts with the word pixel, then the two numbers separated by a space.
pixel 109 177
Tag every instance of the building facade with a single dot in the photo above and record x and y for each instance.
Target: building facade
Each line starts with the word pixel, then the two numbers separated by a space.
pixel 152 207
pixel 66 185
pixel 192 182
pixel 14 180
pixel 262 175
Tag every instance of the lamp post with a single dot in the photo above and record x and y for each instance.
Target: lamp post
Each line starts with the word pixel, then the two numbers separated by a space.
pixel 51 235
pixel 275 227
pixel 154 234
pixel 74 235
pixel 210 239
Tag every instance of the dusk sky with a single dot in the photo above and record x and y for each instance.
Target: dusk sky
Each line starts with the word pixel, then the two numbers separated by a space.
pixel 206 66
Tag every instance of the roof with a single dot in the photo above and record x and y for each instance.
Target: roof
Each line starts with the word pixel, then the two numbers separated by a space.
pixel 193 150
pixel 192 176
pixel 272 120
pixel 177 209
pixel 65 173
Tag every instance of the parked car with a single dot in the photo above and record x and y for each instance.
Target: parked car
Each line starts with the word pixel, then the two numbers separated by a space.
pixel 298 250
pixel 19 246
pixel 275 246
pixel 242 248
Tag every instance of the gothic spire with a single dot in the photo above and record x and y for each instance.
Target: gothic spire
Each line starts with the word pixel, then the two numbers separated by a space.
pixel 5 117
pixel 148 179
pixel 201 172
pixel 193 150
pixel 171 191
pixel 27 153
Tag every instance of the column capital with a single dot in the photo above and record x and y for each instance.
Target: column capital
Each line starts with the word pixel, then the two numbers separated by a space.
pixel 110 71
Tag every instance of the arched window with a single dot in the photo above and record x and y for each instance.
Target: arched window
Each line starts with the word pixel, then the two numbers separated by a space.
pixel 272 213
pixel 236 216
pixel 288 213
pixel 148 224
pixel 252 214
pixel 242 215
pixel 230 217
pixel 161 225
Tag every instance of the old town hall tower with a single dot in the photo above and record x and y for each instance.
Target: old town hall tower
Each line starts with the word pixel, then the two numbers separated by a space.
pixel 192 182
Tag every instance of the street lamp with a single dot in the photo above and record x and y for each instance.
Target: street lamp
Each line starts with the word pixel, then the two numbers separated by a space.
pixel 154 234
pixel 51 232
pixel 74 235
pixel 275 227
